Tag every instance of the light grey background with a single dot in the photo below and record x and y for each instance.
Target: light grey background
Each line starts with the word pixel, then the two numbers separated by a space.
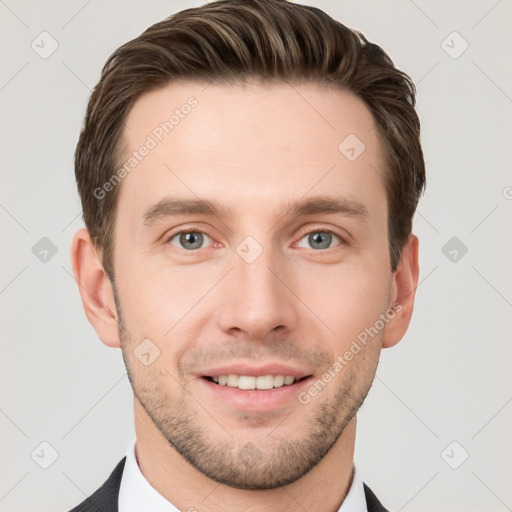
pixel 448 380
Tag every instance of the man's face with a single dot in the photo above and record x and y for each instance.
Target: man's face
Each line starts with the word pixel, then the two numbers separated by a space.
pixel 265 285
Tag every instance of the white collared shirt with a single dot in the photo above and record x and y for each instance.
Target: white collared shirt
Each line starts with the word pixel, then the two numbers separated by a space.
pixel 137 495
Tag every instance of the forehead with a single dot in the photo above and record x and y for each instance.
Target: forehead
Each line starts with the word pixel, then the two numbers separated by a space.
pixel 326 110
pixel 258 140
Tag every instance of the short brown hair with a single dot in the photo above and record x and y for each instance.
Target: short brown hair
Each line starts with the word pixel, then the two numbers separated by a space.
pixel 230 41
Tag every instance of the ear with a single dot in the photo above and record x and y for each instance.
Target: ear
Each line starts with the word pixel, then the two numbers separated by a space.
pixel 95 288
pixel 403 291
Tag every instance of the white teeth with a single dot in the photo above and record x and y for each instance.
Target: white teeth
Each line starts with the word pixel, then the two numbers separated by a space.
pixel 264 382
pixel 279 380
pixel 289 380
pixel 250 382
pixel 244 382
pixel 232 380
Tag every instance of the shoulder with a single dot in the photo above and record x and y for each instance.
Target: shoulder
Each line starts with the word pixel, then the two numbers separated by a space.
pixel 372 502
pixel 105 499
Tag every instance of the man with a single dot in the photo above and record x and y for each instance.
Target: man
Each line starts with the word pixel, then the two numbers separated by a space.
pixel 248 171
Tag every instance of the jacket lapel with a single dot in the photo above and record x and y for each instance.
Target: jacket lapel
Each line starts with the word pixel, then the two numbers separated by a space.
pixel 373 504
pixel 105 499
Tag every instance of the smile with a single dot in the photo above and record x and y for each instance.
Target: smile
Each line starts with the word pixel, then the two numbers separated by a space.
pixel 254 382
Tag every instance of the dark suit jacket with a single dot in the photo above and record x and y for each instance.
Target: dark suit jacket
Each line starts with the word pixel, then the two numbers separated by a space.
pixel 106 497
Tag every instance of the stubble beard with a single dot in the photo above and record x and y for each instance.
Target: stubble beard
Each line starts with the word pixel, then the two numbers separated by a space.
pixel 239 462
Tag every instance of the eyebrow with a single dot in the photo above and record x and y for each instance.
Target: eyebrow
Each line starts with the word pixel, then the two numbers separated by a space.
pixel 170 207
pixel 322 204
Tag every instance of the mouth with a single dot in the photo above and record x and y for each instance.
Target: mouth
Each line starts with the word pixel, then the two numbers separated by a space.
pixel 249 387
pixel 255 394
pixel 251 382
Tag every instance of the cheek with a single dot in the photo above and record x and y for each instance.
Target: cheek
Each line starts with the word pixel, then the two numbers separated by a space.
pixel 159 301
pixel 348 299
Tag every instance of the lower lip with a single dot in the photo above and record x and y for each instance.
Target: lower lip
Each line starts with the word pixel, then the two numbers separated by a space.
pixel 257 399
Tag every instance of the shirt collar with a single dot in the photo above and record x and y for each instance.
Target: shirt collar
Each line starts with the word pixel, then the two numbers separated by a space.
pixel 137 495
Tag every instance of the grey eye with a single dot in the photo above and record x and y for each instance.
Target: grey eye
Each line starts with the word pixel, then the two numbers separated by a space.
pixel 189 240
pixel 319 239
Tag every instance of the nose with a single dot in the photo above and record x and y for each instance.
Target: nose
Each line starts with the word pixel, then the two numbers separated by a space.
pixel 258 298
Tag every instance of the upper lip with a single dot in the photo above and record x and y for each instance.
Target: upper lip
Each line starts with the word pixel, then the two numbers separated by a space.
pixel 256 371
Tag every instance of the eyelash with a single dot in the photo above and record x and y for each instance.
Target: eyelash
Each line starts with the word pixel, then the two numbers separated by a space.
pixel 317 230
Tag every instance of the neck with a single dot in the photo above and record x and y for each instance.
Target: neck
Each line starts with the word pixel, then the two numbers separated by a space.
pixel 186 488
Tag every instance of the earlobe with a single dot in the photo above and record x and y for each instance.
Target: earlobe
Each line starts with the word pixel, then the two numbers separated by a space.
pixel 95 288
pixel 403 291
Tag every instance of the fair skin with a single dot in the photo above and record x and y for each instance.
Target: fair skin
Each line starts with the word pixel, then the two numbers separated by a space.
pixel 252 150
